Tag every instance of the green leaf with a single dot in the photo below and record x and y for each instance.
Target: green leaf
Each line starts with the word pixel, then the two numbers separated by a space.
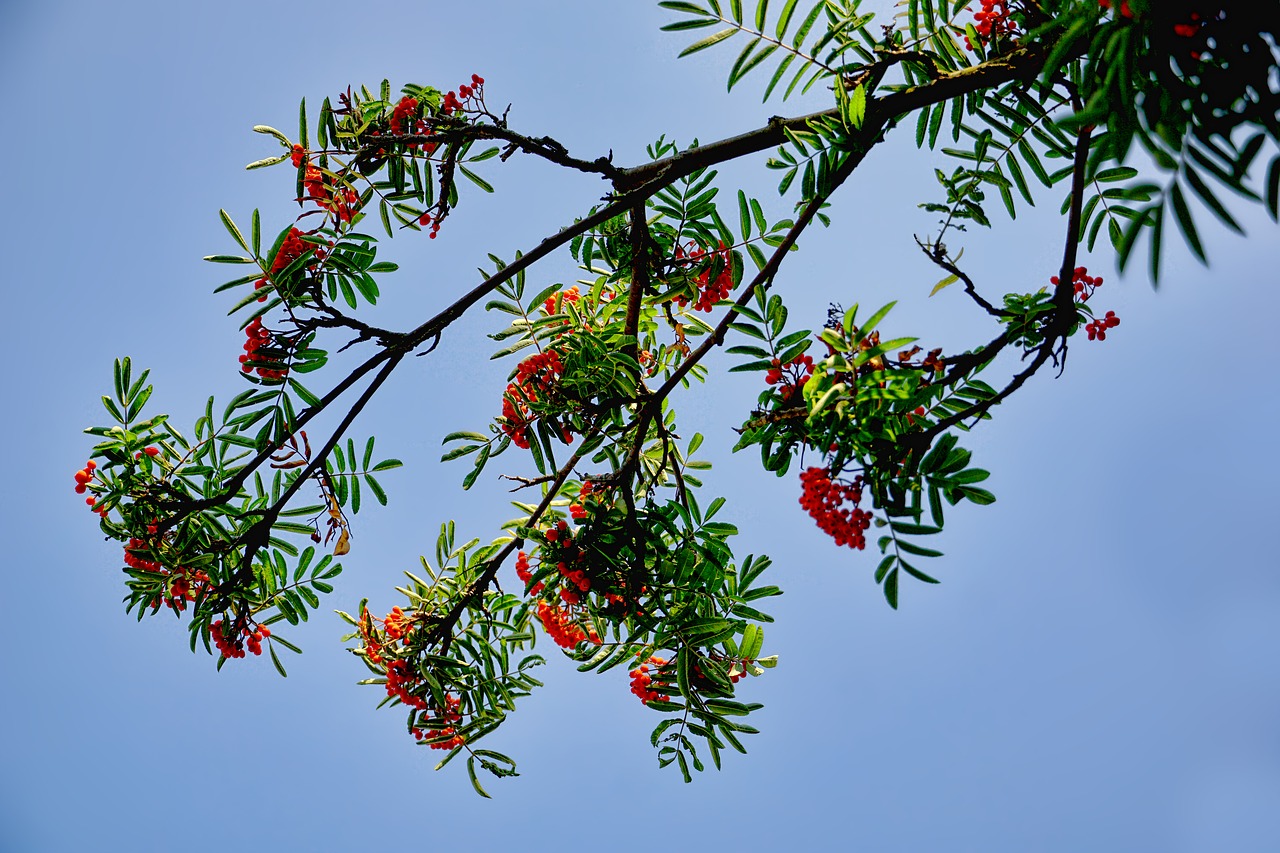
pixel 946 282
pixel 1033 162
pixel 916 573
pixel 806 25
pixel 469 436
pixel 876 318
pixel 267 161
pixel 112 409
pixel 471 773
pixel 1273 188
pixel 303 394
pixel 752 642
pixel 288 645
pixel 1206 195
pixel 890 589
pixel 477 180
pixel 918 551
pixel 856 109
pixel 883 568
pixel 376 488
pixel 276 660
pixel 746 67
pixel 913 529
pixel 234 231
pixel 683 665
pixel 1117 173
pixel 689 8
pixel 271 131
pixel 707 42
pixel 463 450
pixel 1182 214
pixel 784 20
pixel 978 496
pixel 762 14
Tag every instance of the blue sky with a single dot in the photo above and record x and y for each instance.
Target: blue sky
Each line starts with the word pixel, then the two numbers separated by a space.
pixel 1098 669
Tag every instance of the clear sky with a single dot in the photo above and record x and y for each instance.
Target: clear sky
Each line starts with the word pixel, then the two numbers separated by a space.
pixel 1098 669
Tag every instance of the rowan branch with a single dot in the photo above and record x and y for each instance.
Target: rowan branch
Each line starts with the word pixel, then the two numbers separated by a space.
pixel 543 146
pixel 634 185
pixel 442 631
pixel 1064 311
pixel 1021 64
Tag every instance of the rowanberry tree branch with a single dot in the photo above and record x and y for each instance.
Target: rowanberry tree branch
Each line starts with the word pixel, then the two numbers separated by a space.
pixel 618 569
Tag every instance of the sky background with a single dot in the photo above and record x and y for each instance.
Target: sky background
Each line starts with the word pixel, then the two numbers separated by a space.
pixel 1098 669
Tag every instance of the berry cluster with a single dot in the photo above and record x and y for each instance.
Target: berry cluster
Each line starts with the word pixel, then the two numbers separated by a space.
pixel 398 624
pixel 183 585
pixel 534 379
pixel 561 622
pixel 576 583
pixel 523 572
pixel 404 119
pixel 1084 286
pixel 557 303
pixel 1097 329
pixel 557 300
pixel 83 478
pixel 710 291
pixel 560 626
pixel 291 248
pixel 1082 283
pixel 403 683
pixel 342 202
pixel 456 102
pixel 992 22
pixel 405 109
pixel 823 499
pixel 574 578
pixel 84 475
pixel 792 376
pixel 446 737
pixel 135 556
pixel 640 681
pixel 587 495
pixel 233 646
pixel 257 336
pixel 372 644
pixel 426 220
